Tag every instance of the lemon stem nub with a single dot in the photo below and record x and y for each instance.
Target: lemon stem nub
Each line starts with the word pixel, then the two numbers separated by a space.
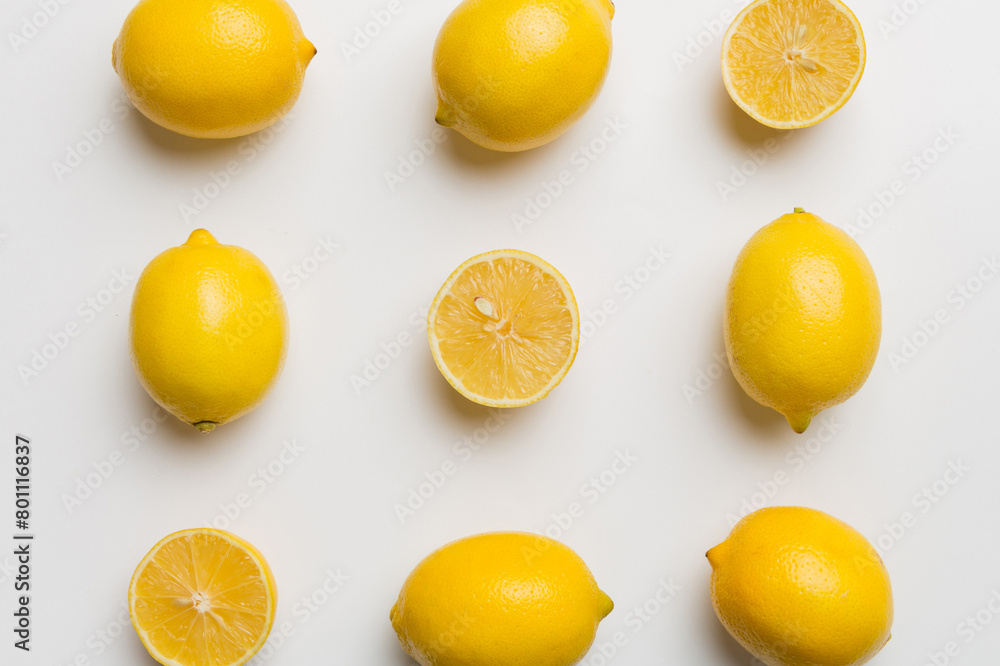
pixel 205 427
pixel 605 604
pixel 798 210
pixel 307 51
pixel 799 422
pixel 716 553
pixel 444 117
pixel 201 237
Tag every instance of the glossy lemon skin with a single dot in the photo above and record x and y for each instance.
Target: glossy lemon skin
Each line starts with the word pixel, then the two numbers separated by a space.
pixel 797 587
pixel 208 331
pixel 803 317
pixel 499 599
pixel 515 74
pixel 212 68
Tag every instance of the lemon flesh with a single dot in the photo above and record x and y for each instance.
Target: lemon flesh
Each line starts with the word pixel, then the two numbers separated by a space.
pixel 504 328
pixel 202 597
pixel 792 63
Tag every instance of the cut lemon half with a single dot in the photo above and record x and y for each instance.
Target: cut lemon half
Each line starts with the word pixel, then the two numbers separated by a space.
pixel 504 328
pixel 792 63
pixel 202 597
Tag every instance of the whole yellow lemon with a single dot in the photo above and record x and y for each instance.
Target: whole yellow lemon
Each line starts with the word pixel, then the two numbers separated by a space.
pixel 208 331
pixel 797 587
pixel 213 69
pixel 515 74
pixel 499 599
pixel 803 317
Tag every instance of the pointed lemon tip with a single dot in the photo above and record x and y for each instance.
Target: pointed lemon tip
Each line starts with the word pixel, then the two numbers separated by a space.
pixel 309 51
pixel 799 421
pixel 201 237
pixel 717 554
pixel 604 604
pixel 205 427
pixel 444 117
pixel 392 613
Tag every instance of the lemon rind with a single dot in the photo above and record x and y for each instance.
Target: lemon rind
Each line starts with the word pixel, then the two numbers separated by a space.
pixel 247 547
pixel 793 124
pixel 445 290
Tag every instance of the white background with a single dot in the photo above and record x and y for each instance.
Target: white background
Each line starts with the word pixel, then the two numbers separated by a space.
pixel 700 457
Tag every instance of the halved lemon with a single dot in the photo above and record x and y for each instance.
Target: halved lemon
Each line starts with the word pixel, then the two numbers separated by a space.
pixel 792 63
pixel 504 328
pixel 202 597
